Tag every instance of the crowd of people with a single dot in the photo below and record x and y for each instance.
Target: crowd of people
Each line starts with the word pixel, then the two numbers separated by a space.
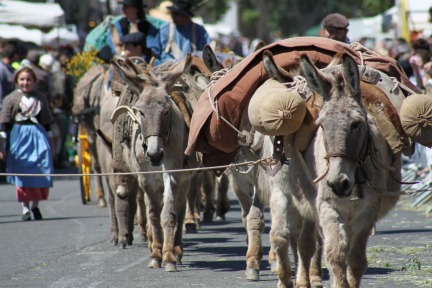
pixel 36 93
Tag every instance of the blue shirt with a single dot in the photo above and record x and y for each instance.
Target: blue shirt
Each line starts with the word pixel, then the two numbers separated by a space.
pixel 152 41
pixel 182 36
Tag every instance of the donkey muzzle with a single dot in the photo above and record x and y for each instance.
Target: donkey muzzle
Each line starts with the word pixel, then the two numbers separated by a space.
pixel 341 185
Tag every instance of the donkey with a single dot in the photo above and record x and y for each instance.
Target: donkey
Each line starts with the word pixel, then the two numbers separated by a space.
pixel 158 139
pixel 249 185
pixel 86 104
pixel 124 195
pixel 357 184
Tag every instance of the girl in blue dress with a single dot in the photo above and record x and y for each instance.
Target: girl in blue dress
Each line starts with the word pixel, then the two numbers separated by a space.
pixel 26 141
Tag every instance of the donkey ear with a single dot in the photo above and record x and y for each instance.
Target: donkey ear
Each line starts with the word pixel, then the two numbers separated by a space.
pixel 127 72
pixel 259 45
pixel 351 72
pixel 210 59
pixel 316 80
pixel 273 70
pixel 168 78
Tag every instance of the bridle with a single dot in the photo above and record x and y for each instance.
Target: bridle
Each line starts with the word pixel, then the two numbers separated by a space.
pixel 365 151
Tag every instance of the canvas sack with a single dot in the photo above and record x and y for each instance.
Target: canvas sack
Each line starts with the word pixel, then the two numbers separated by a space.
pixel 416 118
pixel 275 110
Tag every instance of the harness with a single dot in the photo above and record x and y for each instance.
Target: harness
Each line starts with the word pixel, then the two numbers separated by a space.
pixel 172 45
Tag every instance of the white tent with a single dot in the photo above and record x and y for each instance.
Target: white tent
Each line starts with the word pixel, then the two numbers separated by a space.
pixel 36 15
pixel 18 32
pixel 18 18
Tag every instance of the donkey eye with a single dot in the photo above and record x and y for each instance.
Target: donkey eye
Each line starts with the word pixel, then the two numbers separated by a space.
pixel 355 125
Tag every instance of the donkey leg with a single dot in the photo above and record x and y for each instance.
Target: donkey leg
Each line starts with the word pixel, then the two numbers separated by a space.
pixel 279 237
pixel 141 214
pixel 315 270
pixel 223 204
pixel 99 191
pixel 154 230
pixel 255 227
pixel 335 244
pixel 122 207
pixel 357 261
pixel 207 195
pixel 357 258
pixel 180 211
pixel 132 199
pixel 169 220
pixel 113 218
pixel 191 205
pixel 306 250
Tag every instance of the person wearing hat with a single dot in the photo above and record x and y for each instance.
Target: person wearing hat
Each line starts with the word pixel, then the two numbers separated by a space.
pixel 335 26
pixel 134 44
pixel 162 12
pixel 134 20
pixel 182 35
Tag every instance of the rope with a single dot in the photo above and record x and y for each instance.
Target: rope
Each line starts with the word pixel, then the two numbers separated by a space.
pixel 249 163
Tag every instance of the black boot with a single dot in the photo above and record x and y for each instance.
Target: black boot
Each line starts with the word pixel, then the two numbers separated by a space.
pixel 36 213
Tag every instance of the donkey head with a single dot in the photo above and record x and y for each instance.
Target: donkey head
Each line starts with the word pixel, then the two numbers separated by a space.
pixel 343 121
pixel 152 111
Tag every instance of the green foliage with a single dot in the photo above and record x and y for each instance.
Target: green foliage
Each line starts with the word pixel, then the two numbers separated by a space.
pixel 249 16
pixel 413 264
pixel 211 11
pixel 374 7
pixel 294 17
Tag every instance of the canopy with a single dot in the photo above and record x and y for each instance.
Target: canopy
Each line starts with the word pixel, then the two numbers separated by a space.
pixel 36 15
pixel 57 36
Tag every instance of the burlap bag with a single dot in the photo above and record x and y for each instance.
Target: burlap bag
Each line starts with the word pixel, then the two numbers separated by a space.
pixel 275 110
pixel 308 128
pixel 416 118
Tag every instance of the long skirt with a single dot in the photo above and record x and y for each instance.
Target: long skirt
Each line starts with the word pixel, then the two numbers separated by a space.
pixel 30 153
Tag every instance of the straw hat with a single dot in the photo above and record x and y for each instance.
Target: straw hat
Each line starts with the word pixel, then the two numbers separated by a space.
pixel 162 12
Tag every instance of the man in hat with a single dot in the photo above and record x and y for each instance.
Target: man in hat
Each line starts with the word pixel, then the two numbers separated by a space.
pixel 134 20
pixel 134 44
pixel 335 26
pixel 182 35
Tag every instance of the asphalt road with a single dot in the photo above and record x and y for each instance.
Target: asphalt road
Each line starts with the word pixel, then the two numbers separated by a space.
pixel 71 248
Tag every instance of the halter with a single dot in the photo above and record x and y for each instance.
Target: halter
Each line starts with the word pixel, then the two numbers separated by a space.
pixel 131 112
pixel 145 133
pixel 365 151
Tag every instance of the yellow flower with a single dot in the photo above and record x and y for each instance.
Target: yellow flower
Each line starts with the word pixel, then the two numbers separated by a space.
pixel 79 64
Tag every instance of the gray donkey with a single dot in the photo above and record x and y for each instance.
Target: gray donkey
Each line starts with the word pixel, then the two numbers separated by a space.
pixel 158 139
pixel 357 184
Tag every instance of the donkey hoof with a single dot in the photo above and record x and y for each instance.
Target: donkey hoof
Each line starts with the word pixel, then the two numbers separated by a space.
pixel 130 240
pixel 122 242
pixel 191 228
pixel 252 274
pixel 273 267
pixel 144 238
pixel 316 283
pixel 289 284
pixel 102 203
pixel 114 240
pixel 219 218
pixel 178 259
pixel 207 218
pixel 154 263
pixel 170 267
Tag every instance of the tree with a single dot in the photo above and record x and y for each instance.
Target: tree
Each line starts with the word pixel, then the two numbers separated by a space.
pixel 261 18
